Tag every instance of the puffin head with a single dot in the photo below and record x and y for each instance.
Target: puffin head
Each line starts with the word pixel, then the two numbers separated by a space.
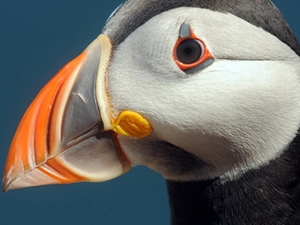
pixel 192 89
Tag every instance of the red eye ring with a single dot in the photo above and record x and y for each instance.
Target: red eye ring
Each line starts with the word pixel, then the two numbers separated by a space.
pixel 197 59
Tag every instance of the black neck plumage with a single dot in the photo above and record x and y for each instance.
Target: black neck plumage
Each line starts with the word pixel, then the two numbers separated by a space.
pixel 269 195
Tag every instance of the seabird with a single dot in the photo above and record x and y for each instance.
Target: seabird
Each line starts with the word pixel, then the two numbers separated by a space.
pixel 205 92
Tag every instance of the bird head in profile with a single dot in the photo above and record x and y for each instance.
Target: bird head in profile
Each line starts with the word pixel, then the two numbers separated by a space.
pixel 194 90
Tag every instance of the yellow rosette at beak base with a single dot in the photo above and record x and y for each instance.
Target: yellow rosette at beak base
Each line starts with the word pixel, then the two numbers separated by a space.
pixel 131 124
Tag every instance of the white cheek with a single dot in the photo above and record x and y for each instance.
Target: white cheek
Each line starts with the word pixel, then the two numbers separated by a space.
pixel 254 111
pixel 233 114
pixel 240 118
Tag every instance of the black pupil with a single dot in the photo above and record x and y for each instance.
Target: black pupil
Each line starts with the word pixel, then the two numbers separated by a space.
pixel 189 51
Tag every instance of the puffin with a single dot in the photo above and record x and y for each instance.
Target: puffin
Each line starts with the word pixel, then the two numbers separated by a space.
pixel 205 92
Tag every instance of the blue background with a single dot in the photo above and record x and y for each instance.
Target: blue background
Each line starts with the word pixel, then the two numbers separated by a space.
pixel 36 39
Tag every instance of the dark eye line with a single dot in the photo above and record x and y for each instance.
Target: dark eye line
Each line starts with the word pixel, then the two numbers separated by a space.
pixel 200 66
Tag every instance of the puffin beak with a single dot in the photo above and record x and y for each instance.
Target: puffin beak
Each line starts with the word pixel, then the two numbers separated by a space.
pixel 68 133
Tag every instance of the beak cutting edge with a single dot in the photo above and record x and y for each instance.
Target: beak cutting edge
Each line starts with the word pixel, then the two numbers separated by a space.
pixel 67 133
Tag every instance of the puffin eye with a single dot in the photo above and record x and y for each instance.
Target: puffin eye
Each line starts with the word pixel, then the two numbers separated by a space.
pixel 189 51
